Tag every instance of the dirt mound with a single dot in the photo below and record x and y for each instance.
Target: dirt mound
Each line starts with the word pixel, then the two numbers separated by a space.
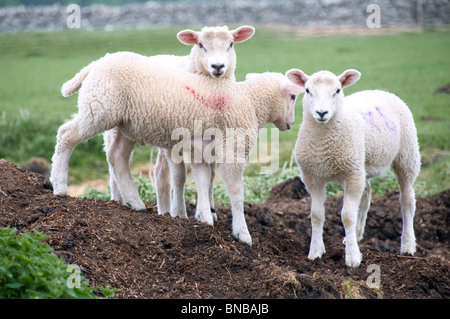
pixel 151 256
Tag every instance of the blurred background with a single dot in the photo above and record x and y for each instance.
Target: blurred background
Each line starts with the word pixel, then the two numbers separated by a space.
pixel 118 14
pixel 401 46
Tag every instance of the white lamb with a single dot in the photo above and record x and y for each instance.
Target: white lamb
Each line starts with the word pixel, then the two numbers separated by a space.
pixel 148 102
pixel 350 140
pixel 212 54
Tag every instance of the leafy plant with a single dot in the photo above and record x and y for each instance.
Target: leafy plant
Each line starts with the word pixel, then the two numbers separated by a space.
pixel 145 188
pixel 94 193
pixel 29 269
pixel 380 185
pixel 256 188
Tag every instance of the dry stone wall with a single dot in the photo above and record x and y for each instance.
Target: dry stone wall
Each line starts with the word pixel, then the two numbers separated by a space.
pixel 295 12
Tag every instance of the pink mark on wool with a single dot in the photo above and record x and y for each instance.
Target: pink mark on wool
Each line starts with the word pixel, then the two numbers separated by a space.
pixel 215 102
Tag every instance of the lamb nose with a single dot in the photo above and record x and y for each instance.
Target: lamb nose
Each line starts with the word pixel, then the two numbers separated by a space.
pixel 217 66
pixel 321 114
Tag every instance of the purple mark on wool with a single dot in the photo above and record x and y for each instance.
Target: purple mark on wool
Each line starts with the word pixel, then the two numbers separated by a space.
pixel 389 123
pixel 368 117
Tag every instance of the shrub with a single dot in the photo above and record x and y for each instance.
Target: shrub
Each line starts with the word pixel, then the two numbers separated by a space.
pixel 28 269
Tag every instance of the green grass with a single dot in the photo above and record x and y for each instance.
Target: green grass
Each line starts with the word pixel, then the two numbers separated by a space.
pixel 34 65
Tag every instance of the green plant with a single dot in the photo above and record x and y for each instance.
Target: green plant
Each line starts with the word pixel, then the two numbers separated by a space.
pixel 146 189
pixel 351 290
pixel 93 193
pixel 256 187
pixel 382 184
pixel 28 269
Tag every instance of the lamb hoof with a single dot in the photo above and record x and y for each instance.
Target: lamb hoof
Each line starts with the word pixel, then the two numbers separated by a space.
pixel 409 248
pixel 138 208
pixel 409 251
pixel 208 220
pixel 214 215
pixel 62 196
pixel 142 211
pixel 353 264
pixel 179 212
pixel 353 261
pixel 244 238
pixel 183 215
pixel 316 251
pixel 314 256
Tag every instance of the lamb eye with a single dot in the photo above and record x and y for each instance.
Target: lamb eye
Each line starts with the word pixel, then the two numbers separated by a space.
pixel 293 97
pixel 338 91
pixel 307 91
pixel 231 45
pixel 200 45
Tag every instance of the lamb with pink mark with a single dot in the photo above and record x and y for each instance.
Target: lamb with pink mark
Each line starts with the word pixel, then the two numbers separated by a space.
pixel 148 102
pixel 349 140
pixel 212 55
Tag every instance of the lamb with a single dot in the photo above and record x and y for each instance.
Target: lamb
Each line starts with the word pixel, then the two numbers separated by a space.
pixel 148 102
pixel 350 140
pixel 213 47
pixel 212 54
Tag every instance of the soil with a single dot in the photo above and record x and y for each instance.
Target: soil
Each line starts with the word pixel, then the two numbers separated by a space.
pixel 150 256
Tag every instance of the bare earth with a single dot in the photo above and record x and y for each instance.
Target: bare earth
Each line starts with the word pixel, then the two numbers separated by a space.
pixel 151 256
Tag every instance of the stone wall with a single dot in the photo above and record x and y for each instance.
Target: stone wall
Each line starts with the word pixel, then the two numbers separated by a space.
pixel 306 13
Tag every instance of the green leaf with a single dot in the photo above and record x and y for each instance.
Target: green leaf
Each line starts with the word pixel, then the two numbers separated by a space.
pixel 28 269
pixel 14 285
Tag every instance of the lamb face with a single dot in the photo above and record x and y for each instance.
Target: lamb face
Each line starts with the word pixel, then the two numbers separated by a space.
pixel 289 90
pixel 324 96
pixel 213 52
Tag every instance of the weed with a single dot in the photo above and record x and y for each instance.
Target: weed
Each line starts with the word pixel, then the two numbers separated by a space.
pixel 256 188
pixel 28 269
pixel 351 290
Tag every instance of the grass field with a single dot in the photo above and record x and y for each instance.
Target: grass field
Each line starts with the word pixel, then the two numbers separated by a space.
pixel 34 65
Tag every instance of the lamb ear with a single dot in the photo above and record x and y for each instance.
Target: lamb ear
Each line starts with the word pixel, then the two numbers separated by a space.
pixel 349 77
pixel 243 33
pixel 291 88
pixel 297 76
pixel 188 37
